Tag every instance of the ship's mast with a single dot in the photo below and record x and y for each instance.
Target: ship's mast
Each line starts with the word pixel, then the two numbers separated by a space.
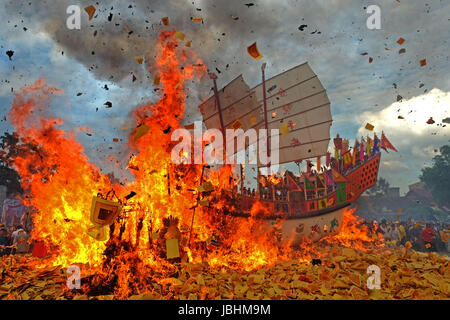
pixel 263 67
pixel 216 94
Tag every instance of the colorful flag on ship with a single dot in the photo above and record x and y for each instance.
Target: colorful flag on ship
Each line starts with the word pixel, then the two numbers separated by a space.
pixel 336 154
pixel 386 144
pixel 318 164
pixel 361 151
pixel 369 146
pixel 356 146
pixel 355 150
pixel 320 181
pixel 376 143
pixel 327 159
pixel 337 143
pixel 344 145
pixel 309 185
pixel 347 157
pixel 329 178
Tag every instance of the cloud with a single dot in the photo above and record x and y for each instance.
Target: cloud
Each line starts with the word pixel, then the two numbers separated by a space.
pixel 416 140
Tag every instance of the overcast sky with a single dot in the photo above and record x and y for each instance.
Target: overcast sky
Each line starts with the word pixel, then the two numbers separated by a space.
pixel 333 41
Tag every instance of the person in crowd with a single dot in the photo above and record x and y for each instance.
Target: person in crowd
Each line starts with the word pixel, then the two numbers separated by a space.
pixel 20 240
pixel 4 240
pixel 428 236
pixel 383 227
pixel 401 229
pixel 395 236
pixel 13 210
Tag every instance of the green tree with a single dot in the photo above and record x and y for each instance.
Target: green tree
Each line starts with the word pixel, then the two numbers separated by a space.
pixel 437 177
pixel 8 176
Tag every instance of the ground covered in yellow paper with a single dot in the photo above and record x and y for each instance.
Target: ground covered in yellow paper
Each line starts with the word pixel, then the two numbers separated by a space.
pixel 342 274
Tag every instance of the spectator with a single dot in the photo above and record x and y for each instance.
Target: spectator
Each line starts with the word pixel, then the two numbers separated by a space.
pixel 395 236
pixel 428 236
pixel 4 240
pixel 402 231
pixel 13 210
pixel 20 240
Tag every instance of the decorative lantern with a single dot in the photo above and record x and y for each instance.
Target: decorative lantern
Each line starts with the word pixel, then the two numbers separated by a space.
pixel 103 213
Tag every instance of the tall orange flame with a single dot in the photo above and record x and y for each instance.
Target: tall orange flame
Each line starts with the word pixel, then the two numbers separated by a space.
pixel 61 181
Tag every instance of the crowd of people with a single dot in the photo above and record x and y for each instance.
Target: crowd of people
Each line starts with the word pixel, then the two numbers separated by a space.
pixel 420 236
pixel 15 227
pixel 15 240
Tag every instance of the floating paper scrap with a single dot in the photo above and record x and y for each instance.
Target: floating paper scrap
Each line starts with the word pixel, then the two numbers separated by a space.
pixel 369 127
pixel 179 35
pixel 400 41
pixel 206 187
pixel 423 62
pixel 165 21
pixel 197 19
pixel 172 248
pixel 97 233
pixel 139 59
pixel 284 129
pixel 90 11
pixel 141 131
pixel 236 125
pixel 253 51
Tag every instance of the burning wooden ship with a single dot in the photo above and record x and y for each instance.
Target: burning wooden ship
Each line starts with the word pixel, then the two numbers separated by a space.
pixel 295 102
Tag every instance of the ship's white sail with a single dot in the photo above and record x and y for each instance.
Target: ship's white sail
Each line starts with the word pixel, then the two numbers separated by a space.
pixel 297 105
pixel 239 106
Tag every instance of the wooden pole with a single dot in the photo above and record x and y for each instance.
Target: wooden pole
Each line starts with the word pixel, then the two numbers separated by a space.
pixel 242 185
pixel 242 179
pixel 168 180
pixel 193 213
pixel 216 94
pixel 263 67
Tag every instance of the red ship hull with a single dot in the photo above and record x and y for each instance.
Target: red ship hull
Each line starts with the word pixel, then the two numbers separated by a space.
pixel 320 216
